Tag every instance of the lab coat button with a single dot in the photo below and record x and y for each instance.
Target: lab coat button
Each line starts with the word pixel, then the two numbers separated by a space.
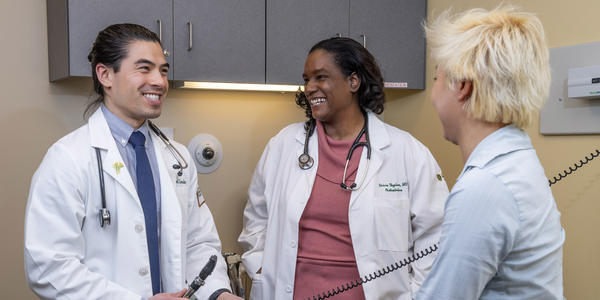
pixel 288 289
pixel 293 244
pixel 139 228
pixel 143 271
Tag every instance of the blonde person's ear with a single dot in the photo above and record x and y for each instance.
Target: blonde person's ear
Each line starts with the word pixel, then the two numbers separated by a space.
pixel 465 88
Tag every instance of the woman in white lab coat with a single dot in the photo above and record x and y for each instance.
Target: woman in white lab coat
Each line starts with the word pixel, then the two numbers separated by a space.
pixel 311 223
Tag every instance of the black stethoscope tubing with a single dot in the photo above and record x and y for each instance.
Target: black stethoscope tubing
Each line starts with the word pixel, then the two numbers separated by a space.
pixel 305 161
pixel 104 212
pixel 181 164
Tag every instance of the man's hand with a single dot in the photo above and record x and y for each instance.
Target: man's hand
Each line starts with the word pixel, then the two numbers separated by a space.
pixel 170 296
pixel 228 296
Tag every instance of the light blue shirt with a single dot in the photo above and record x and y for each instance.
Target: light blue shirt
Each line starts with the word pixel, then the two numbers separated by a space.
pixel 501 235
pixel 121 131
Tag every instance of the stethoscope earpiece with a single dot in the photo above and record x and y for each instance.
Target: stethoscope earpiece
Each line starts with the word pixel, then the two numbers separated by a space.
pixel 352 187
pixel 178 167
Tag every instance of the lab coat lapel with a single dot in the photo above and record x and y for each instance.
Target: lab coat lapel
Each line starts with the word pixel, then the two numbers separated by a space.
pixel 171 217
pixel 112 162
pixel 301 191
pixel 380 139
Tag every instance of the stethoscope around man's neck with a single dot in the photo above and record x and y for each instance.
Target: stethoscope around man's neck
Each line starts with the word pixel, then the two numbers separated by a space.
pixel 305 161
pixel 180 165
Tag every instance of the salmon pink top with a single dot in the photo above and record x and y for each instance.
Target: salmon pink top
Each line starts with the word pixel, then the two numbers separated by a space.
pixel 325 254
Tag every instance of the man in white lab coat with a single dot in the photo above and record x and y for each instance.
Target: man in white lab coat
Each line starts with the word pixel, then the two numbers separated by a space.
pixel 156 234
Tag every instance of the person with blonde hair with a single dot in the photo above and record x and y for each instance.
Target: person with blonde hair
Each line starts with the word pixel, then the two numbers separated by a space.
pixel 501 235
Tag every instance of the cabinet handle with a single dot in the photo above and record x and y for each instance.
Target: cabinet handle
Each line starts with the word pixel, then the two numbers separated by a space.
pixel 364 37
pixel 191 41
pixel 159 30
pixel 165 51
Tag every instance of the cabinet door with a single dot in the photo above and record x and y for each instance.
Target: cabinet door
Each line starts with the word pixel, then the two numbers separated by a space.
pixel 393 34
pixel 293 27
pixel 227 40
pixel 88 17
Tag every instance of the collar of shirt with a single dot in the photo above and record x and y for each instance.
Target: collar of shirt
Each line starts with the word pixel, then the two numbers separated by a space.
pixel 120 130
pixel 504 140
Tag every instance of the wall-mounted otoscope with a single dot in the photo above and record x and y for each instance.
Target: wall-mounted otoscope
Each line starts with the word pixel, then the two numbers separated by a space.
pixel 199 280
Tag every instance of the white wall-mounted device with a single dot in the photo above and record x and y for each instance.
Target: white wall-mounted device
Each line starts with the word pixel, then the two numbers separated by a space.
pixel 584 82
pixel 206 152
pixel 564 113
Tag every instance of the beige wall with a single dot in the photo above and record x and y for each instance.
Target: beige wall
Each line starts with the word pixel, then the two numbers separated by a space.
pixel 35 113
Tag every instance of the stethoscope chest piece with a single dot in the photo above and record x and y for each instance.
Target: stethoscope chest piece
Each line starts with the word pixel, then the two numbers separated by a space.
pixel 104 217
pixel 305 161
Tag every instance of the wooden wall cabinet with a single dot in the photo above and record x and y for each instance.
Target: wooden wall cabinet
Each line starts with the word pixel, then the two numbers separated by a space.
pixel 293 26
pixel 219 40
pixel 74 24
pixel 390 29
pixel 208 40
pixel 253 41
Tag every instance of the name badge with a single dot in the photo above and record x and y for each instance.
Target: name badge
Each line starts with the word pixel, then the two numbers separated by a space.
pixel 393 187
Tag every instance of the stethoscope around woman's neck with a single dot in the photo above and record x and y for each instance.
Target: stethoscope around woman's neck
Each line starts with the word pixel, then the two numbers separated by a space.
pixel 180 165
pixel 305 161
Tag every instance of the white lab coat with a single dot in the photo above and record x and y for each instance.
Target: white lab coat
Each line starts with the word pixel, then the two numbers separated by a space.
pixel 69 256
pixel 398 210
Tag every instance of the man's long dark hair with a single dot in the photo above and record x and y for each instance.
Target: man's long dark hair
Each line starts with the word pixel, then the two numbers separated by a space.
pixel 109 49
pixel 351 57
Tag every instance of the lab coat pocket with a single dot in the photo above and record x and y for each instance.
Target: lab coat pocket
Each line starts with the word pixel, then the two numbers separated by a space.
pixel 392 223
pixel 256 292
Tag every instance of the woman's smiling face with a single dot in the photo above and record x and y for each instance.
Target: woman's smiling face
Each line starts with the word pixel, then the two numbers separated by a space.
pixel 327 89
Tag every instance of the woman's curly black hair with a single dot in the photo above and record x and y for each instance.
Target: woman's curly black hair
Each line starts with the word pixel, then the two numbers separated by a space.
pixel 351 57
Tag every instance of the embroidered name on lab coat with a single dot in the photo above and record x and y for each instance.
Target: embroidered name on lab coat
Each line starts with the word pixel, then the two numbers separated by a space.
pixel 394 187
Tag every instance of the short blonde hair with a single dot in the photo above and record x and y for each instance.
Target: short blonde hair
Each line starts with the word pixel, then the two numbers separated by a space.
pixel 503 52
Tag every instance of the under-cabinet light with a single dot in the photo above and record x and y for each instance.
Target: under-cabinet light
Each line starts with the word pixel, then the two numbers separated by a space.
pixel 238 86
